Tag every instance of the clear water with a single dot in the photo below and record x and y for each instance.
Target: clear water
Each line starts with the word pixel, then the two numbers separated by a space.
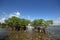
pixel 3 33
pixel 54 32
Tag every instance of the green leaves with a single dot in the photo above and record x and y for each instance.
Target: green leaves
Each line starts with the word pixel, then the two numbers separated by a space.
pixel 15 21
pixel 41 22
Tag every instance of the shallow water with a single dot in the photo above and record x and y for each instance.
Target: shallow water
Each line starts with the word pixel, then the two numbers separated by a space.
pixel 25 35
pixel 54 32
pixel 3 33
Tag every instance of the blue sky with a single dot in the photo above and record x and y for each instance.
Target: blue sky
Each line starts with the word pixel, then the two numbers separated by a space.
pixel 31 9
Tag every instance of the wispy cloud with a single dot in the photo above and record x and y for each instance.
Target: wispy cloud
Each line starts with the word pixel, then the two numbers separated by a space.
pixel 17 14
pixel 2 20
pixel 56 22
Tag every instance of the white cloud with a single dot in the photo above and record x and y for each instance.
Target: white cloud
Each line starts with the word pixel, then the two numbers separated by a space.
pixel 56 22
pixel 17 14
pixel 2 20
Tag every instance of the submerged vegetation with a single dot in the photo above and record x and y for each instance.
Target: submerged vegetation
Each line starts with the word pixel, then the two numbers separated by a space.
pixel 22 35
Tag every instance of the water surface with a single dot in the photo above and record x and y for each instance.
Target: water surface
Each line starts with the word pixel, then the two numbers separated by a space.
pixel 54 32
pixel 3 33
